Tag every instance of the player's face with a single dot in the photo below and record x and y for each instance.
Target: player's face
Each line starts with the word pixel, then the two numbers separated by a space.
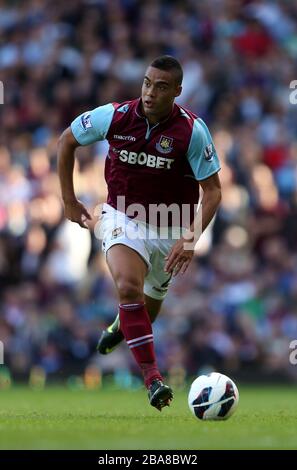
pixel 159 90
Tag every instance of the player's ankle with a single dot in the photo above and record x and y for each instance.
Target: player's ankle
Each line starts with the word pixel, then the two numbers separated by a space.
pixel 115 326
pixel 150 373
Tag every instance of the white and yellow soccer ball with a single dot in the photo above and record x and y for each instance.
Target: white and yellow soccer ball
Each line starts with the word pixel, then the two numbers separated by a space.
pixel 213 397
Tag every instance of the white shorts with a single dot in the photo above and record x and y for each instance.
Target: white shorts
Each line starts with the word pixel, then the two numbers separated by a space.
pixel 116 228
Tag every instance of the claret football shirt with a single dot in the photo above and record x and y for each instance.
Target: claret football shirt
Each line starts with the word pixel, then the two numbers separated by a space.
pixel 150 164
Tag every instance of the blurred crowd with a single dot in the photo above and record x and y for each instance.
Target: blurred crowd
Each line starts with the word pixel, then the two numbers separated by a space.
pixel 235 310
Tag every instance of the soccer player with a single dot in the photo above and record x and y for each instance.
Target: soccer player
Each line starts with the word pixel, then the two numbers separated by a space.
pixel 159 153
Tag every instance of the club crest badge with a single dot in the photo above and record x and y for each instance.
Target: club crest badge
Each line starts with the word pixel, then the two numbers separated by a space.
pixel 117 232
pixel 165 144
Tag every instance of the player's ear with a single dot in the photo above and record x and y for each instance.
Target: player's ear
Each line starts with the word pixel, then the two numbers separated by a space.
pixel 178 91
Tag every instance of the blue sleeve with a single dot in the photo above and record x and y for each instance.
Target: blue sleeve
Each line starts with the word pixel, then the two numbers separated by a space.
pixel 93 125
pixel 202 154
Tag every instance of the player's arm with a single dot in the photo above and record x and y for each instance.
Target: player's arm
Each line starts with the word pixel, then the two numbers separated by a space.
pixel 86 129
pixel 210 201
pixel 182 251
pixel 73 208
pixel 205 165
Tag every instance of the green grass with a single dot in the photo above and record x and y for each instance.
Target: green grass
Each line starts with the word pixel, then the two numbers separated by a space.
pixel 58 418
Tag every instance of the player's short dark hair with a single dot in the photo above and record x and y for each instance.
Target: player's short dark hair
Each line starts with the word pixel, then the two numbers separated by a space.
pixel 169 63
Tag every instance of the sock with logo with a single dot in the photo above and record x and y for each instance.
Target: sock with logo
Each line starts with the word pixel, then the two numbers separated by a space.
pixel 137 329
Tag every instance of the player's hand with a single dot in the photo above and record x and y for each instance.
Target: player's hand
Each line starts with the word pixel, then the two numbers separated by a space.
pixel 178 259
pixel 76 212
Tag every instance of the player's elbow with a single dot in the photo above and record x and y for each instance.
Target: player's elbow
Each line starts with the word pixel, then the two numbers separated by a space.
pixel 213 195
pixel 67 140
pixel 218 195
pixel 212 190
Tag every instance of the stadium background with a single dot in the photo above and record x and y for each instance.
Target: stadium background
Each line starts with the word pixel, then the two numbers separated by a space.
pixel 235 309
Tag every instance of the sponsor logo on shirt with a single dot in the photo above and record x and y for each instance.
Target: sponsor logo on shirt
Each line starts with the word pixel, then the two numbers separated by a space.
pixel 209 152
pixel 145 159
pixel 125 137
pixel 165 144
pixel 86 121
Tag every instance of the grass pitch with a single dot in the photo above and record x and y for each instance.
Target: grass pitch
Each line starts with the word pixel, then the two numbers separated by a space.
pixel 59 418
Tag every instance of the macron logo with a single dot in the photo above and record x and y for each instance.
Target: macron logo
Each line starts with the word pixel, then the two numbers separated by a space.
pixel 125 137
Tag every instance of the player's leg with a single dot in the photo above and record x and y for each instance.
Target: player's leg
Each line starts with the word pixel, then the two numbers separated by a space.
pixel 153 306
pixel 112 336
pixel 128 270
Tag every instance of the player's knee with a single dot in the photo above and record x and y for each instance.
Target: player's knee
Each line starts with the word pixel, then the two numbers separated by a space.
pixel 130 290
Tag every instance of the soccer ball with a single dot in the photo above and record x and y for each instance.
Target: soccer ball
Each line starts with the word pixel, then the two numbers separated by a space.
pixel 213 397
